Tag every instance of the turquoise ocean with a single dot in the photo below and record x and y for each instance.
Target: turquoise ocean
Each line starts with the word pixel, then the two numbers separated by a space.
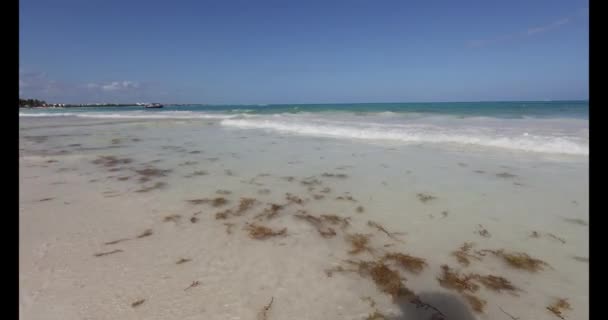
pixel 553 127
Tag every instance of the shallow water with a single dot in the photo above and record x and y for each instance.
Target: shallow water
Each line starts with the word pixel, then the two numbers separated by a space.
pixel 508 193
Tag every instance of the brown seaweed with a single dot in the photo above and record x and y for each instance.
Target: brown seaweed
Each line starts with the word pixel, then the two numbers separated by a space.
pixel 192 285
pixel 116 241
pixel 382 229
pixel 172 218
pixel 215 202
pixel 197 173
pixel 376 316
pixel 496 283
pixel 318 223
pixel 293 198
pixel 263 315
pixel 505 175
pixel 386 280
pixel 111 161
pixel 222 215
pixel 183 260
pixel 451 279
pixel 137 303
pixel 101 254
pixel 334 175
pixel 260 232
pixel 157 185
pixel 359 243
pixel 425 197
pixel 146 233
pixel 520 260
pixel 476 303
pixel 463 254
pixel 245 204
pixel 576 221
pixel 558 307
pixel 483 232
pixel 406 261
pixel 229 227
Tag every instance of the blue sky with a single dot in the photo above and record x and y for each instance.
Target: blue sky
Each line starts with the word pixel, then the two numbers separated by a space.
pixel 241 52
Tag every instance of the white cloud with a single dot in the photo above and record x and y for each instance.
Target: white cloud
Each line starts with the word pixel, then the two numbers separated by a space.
pixel 119 86
pixel 530 32
pixel 38 85
pixel 548 27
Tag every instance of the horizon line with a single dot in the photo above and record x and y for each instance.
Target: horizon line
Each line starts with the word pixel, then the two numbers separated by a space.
pixel 318 103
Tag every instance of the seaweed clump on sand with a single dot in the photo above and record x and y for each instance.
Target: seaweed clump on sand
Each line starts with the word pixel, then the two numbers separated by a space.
pixel 336 220
pixel 376 316
pixel 147 173
pixel 334 175
pixel 359 209
pixel 111 161
pixel 263 315
pixel 215 202
pixel 157 185
pixel 144 234
pixel 318 223
pixel 229 227
pixel 483 232
pixel 476 303
pixel 293 199
pixel 101 254
pixel 558 307
pixel 244 205
pixel 386 279
pixel 137 303
pixel 310 181
pixel 464 285
pixel 576 221
pixel 406 261
pixel 425 197
pixel 346 197
pixel 359 243
pixel 505 175
pixel 270 212
pixel 182 260
pixel 197 173
pixel 451 279
pixel 172 218
pixel 519 260
pixel 463 255
pixel 260 232
pixel 223 215
pixel 382 229
pixel 496 283
pixel 116 241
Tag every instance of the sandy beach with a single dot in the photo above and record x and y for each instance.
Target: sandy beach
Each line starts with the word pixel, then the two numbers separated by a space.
pixel 192 219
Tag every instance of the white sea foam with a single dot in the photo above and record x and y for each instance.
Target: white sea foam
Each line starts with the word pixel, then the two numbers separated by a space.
pixel 552 136
pixel 517 137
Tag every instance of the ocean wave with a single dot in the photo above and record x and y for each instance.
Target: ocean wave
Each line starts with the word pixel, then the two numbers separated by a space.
pixel 417 133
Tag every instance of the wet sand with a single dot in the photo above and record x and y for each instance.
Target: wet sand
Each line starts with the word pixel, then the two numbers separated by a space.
pixel 186 219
